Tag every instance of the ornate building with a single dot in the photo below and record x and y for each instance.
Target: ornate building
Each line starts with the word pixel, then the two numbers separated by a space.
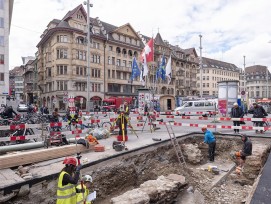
pixel 257 82
pixel 62 60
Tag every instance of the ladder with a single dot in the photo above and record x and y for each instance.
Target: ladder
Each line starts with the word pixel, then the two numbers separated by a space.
pixel 175 144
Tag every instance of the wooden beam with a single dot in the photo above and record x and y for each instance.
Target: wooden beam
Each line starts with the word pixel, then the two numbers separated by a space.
pixel 23 158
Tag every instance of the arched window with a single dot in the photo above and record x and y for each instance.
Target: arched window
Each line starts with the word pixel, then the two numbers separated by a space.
pixel 118 50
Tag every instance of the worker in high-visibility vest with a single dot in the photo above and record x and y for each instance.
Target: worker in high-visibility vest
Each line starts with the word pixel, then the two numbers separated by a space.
pixel 81 197
pixel 68 178
pixel 122 121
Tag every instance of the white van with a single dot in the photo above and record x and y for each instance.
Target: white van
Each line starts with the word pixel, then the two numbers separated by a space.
pixel 191 107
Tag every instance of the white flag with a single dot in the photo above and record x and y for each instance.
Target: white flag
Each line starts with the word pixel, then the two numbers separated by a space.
pixel 144 71
pixel 169 70
pixel 145 67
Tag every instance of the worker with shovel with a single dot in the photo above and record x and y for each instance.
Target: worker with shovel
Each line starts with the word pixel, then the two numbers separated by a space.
pixel 68 178
pixel 87 181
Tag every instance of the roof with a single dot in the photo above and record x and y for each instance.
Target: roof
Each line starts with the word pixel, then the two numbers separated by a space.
pixel 190 51
pixel 256 69
pixel 158 40
pixel 212 63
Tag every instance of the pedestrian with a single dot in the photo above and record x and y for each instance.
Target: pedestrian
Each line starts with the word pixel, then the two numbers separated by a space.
pixel 258 112
pixel 56 115
pixel 246 151
pixel 209 139
pixel 236 112
pixel 67 180
pixel 245 108
pixel 81 197
pixel 8 112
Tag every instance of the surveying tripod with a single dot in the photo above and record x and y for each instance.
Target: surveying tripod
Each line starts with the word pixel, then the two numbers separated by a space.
pixel 123 117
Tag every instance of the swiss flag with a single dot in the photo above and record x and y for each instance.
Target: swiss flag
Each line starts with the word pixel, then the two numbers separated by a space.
pixel 148 51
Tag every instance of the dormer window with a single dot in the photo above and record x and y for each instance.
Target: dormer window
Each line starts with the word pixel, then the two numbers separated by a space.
pixel 79 16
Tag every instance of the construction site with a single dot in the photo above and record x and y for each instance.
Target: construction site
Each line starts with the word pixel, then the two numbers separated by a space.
pixel 168 165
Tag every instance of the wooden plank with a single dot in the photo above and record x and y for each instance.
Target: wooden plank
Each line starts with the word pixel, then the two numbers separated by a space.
pixel 7 177
pixel 23 158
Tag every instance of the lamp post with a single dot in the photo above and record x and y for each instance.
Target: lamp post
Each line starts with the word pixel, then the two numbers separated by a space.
pixel 267 88
pixel 88 53
pixel 200 48
pixel 245 79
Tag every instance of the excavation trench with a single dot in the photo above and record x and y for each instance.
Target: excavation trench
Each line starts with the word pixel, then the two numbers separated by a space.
pixel 131 171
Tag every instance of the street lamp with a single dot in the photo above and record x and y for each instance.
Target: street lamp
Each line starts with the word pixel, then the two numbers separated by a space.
pixel 267 88
pixel 88 53
pixel 200 48
pixel 245 78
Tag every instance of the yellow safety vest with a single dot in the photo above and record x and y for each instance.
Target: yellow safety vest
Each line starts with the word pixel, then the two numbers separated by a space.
pixel 65 194
pixel 79 196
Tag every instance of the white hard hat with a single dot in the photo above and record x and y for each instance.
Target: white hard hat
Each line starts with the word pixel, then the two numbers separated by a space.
pixel 235 104
pixel 87 178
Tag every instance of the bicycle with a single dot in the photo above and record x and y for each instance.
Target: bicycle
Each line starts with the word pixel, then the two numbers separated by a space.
pixel 97 124
pixel 265 124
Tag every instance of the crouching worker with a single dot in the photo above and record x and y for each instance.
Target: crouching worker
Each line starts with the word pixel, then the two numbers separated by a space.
pixel 68 178
pixel 246 151
pixel 81 197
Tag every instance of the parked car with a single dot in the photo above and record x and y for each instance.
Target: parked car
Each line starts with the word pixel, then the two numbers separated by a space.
pixel 22 108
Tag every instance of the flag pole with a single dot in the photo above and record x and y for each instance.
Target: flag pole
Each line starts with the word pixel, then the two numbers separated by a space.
pixel 132 76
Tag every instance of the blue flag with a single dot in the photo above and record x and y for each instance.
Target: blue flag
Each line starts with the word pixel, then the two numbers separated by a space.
pixel 135 70
pixel 161 72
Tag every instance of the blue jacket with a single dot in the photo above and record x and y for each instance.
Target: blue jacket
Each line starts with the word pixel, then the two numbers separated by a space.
pixel 209 137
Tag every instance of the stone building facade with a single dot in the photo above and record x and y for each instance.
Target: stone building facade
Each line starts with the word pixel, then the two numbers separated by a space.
pixel 257 82
pixel 62 63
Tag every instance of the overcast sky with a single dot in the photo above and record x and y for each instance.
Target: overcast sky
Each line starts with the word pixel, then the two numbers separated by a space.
pixel 230 28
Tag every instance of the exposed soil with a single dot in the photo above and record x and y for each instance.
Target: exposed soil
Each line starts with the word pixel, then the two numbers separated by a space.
pixel 122 174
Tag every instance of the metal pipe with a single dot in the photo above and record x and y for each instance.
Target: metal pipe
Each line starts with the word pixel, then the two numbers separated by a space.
pixel 26 146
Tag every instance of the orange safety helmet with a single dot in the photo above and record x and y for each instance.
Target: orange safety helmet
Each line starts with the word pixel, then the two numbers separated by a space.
pixel 70 160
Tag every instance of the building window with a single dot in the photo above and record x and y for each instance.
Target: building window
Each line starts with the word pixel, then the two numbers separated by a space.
pixel 130 64
pixel 118 75
pixel 96 59
pixel 62 38
pixel 62 70
pixel 80 86
pixel 118 62
pixel 1 40
pixel 1 22
pixel 81 55
pixel 80 40
pixel 81 71
pixel 109 60
pixel 114 87
pixel 95 87
pixel 96 73
pixel 2 76
pixel 62 85
pixel 124 63
pixel 49 72
pixel 113 60
pixel 2 59
pixel 110 48
pixel 62 54
pixel 96 45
